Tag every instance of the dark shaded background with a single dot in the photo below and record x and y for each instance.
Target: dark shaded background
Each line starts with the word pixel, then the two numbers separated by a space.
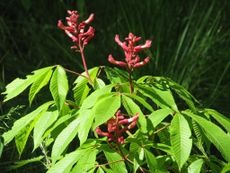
pixel 190 40
pixel 191 43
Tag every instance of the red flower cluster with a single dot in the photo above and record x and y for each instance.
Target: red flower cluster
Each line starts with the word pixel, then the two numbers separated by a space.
pixel 132 60
pixel 77 31
pixel 115 129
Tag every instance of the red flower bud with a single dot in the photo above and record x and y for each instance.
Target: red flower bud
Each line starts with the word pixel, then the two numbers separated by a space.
pixel 77 31
pixel 117 125
pixel 113 61
pixel 130 50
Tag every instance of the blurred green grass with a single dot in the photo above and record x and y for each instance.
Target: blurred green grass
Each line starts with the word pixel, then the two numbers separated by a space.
pixel 191 41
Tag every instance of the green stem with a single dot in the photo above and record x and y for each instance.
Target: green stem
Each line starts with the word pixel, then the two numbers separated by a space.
pixel 130 82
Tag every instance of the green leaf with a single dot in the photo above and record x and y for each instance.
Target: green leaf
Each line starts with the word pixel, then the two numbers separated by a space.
pixel 224 121
pixel 86 162
pixel 59 86
pixel 86 118
pixel 141 101
pixel 180 137
pixel 39 83
pixel 22 137
pixel 66 163
pixel 21 163
pixel 1 145
pixel 151 161
pixel 161 96
pixel 105 108
pixel 81 89
pixel 100 170
pixel 116 75
pixel 90 101
pixel 195 167
pixel 117 164
pixel 44 122
pixel 62 120
pixel 183 94
pixel 168 83
pixel 226 168
pixel 17 86
pixel 132 108
pixel 99 83
pixel 159 115
pixel 23 122
pixel 64 138
pixel 214 133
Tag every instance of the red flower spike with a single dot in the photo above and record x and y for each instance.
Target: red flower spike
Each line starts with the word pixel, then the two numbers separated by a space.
pixel 76 31
pixel 117 125
pixel 132 60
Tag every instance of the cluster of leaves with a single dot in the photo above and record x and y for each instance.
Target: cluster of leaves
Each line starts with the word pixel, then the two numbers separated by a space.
pixel 167 138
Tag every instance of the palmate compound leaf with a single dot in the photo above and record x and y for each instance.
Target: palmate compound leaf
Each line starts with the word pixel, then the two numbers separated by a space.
pixel 59 86
pixel 39 83
pixel 214 133
pixel 17 86
pixel 24 121
pixel 180 138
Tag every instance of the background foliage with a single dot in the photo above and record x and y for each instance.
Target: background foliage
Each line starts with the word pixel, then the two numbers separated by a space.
pixel 190 44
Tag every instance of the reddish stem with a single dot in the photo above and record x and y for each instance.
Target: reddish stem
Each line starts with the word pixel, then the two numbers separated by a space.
pixel 84 62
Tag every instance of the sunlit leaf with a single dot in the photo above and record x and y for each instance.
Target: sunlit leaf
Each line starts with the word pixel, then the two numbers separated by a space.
pixel 224 121
pixel 86 118
pixel 65 164
pixel 86 162
pixel 39 83
pixel 81 89
pixel 59 86
pixel 64 138
pixel 195 167
pixel 180 137
pixel 42 124
pixel 22 137
pixel 17 86
pixel 112 103
pixel 159 115
pixel 117 163
pixel 132 108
